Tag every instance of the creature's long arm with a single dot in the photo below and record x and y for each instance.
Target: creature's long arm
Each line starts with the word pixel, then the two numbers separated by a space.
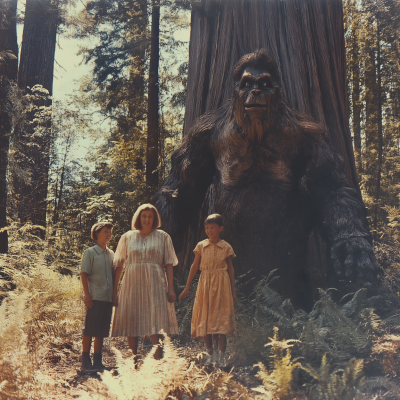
pixel 192 170
pixel 341 215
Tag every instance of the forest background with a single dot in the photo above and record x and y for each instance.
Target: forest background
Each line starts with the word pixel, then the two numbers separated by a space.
pixel 130 110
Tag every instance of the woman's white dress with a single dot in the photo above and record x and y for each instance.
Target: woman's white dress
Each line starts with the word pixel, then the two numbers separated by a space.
pixel 143 307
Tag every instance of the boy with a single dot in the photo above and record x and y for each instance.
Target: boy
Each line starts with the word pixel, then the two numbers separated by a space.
pixel 97 282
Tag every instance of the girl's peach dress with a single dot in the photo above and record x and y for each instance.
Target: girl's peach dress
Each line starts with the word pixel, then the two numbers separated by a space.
pixel 213 307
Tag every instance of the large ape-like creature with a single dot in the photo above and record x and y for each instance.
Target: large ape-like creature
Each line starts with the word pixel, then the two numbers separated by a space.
pixel 273 176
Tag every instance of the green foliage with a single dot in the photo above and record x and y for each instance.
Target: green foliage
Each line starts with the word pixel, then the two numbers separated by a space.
pixel 339 384
pixel 277 382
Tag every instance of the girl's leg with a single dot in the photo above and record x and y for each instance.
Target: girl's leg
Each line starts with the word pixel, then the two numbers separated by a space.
pixel 133 344
pixel 155 340
pixel 222 343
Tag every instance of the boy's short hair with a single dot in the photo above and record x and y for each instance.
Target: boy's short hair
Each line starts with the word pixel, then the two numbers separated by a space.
pixel 96 228
pixel 214 219
pixel 136 224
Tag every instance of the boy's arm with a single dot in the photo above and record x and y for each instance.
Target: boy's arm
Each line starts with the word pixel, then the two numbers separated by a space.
pixel 192 273
pixel 88 298
pixel 231 273
pixel 118 272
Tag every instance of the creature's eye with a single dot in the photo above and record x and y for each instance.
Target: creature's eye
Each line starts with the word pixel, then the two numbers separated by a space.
pixel 247 84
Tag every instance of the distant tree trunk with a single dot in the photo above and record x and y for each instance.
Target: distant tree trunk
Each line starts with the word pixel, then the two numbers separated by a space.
pixel 306 38
pixel 152 114
pixel 380 129
pixel 36 68
pixel 8 72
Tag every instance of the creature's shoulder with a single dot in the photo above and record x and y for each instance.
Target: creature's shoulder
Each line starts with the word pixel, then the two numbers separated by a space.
pixel 210 122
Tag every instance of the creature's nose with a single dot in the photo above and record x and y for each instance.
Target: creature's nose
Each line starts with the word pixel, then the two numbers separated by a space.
pixel 256 91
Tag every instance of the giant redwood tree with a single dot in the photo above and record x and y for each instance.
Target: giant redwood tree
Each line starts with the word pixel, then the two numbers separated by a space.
pixel 306 38
pixel 42 18
pixel 8 74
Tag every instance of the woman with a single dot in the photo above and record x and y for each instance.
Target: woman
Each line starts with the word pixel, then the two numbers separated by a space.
pixel 145 300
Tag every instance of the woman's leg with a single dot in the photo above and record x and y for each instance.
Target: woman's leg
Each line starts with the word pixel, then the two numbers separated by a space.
pixel 222 343
pixel 215 341
pixel 208 341
pixel 133 344
pixel 155 340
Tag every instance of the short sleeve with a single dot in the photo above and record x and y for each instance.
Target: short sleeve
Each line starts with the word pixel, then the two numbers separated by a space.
pixel 169 252
pixel 198 248
pixel 87 262
pixel 229 251
pixel 121 254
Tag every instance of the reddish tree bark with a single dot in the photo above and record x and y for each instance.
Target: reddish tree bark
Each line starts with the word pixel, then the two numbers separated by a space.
pixel 306 38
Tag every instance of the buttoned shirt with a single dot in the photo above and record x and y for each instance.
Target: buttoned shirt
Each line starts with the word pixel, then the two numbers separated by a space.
pixel 97 263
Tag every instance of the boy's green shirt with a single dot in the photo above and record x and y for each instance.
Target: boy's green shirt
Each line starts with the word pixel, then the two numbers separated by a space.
pixel 97 263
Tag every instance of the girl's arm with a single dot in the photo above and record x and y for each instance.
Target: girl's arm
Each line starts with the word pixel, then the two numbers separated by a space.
pixel 231 273
pixel 192 273
pixel 118 272
pixel 169 269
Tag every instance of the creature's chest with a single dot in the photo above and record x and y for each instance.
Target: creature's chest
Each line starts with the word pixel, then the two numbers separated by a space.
pixel 243 165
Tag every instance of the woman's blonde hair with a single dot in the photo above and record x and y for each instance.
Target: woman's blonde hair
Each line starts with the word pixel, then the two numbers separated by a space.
pixel 136 224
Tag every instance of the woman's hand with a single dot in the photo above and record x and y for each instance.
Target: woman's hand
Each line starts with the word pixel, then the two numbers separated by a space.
pixel 171 295
pixel 88 301
pixel 184 294
pixel 115 300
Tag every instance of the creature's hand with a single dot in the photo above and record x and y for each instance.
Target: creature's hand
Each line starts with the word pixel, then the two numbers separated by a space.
pixel 171 296
pixel 183 294
pixel 354 259
pixel 115 300
pixel 88 301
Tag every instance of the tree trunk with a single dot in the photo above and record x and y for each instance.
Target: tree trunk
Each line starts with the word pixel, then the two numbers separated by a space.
pixel 306 38
pixel 8 72
pixel 152 114
pixel 36 68
pixel 380 129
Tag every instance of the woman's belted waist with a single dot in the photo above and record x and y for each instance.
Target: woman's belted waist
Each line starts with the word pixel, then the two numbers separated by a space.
pixel 212 271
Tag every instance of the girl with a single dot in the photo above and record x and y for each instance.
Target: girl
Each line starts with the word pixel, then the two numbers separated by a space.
pixel 213 315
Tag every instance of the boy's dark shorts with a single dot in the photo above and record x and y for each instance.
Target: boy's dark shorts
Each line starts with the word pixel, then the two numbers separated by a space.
pixel 98 319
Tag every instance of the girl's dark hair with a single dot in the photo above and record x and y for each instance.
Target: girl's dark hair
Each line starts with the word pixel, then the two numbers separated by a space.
pixel 214 219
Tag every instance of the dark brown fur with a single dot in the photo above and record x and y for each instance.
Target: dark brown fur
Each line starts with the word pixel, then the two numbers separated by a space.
pixel 272 190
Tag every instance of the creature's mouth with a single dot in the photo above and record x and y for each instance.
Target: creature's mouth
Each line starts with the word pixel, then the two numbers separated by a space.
pixel 255 105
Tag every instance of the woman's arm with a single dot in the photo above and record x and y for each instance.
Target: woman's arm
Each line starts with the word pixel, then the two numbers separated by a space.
pixel 231 273
pixel 192 273
pixel 169 269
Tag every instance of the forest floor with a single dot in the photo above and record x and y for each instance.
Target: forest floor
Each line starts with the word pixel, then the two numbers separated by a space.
pixel 62 370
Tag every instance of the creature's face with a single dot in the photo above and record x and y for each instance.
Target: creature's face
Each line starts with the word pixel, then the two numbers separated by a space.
pixel 256 103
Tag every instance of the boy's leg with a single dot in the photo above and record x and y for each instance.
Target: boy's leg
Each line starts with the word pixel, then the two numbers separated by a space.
pixel 86 361
pixel 155 340
pixel 98 344
pixel 86 343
